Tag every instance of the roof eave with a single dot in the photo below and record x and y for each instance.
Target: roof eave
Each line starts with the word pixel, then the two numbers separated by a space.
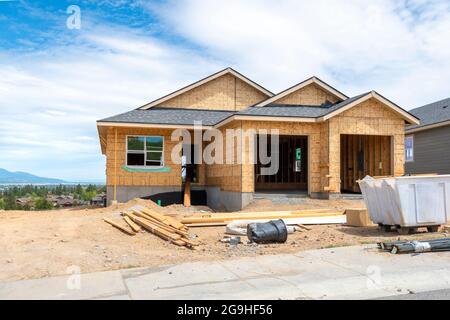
pixel 149 125
pixel 428 127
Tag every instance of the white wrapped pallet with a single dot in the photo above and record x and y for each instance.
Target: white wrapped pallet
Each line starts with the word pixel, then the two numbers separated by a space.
pixel 408 201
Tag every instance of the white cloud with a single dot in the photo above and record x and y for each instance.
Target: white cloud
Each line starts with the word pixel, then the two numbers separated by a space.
pixel 51 99
pixel 391 46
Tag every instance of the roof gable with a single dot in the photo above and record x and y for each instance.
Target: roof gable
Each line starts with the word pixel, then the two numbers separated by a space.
pixel 311 82
pixel 352 102
pixel 262 92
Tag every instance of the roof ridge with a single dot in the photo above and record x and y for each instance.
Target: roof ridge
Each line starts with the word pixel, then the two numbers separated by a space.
pixel 204 80
pixel 314 79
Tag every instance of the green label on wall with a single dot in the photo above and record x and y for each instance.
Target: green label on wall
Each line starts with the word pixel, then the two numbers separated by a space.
pixel 298 154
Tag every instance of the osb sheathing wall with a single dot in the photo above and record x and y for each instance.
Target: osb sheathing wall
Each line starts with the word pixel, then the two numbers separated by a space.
pixel 227 176
pixel 224 93
pixel 125 178
pixel 369 118
pixel 311 95
pixel 311 130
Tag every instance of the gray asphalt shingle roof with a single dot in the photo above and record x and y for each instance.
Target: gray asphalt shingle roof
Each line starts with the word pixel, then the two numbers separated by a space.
pixel 280 110
pixel 176 116
pixel 180 116
pixel 432 113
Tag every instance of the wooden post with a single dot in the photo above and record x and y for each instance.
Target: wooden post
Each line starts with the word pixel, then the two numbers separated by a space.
pixel 115 165
pixel 187 192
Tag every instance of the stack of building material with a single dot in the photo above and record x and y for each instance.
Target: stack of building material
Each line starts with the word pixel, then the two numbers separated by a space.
pixel 358 218
pixel 165 227
pixel 324 216
pixel 433 245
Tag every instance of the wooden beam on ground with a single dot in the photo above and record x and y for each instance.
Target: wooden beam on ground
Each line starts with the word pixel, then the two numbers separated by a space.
pixel 162 232
pixel 157 223
pixel 165 219
pixel 133 225
pixel 247 216
pixel 118 226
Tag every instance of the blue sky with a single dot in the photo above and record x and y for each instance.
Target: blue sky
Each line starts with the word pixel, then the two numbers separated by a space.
pixel 56 82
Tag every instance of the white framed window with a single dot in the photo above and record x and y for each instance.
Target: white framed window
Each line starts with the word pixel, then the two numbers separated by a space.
pixel 409 148
pixel 145 151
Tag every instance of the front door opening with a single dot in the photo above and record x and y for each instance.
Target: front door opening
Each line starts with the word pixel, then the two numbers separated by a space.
pixel 293 165
pixel 363 155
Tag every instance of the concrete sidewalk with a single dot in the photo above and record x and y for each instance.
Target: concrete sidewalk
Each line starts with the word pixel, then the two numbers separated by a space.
pixel 359 272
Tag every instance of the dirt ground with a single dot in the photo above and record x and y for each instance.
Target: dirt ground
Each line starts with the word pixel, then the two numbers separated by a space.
pixel 48 243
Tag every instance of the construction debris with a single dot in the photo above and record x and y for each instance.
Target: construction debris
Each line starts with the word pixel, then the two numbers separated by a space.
pixel 272 231
pixel 432 245
pixel 239 228
pixel 234 241
pixel 167 228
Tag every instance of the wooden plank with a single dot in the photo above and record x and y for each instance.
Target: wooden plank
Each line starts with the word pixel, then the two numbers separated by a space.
pixel 355 163
pixel 164 219
pixel 187 193
pixel 120 227
pixel 344 163
pixel 157 223
pixel 350 163
pixel 196 220
pixel 366 156
pixel 377 155
pixel 226 214
pixel 133 225
pixel 160 232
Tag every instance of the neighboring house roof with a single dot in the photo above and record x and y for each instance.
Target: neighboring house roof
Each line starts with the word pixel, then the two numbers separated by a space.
pixel 300 85
pixel 432 115
pixel 205 80
pixel 169 116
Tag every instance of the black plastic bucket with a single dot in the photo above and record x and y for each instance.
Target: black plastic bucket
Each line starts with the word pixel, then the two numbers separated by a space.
pixel 272 231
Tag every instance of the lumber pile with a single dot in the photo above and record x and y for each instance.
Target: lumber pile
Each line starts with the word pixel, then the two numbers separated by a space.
pixel 215 219
pixel 165 227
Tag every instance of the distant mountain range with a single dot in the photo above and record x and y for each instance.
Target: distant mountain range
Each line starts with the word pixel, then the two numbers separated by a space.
pixel 24 177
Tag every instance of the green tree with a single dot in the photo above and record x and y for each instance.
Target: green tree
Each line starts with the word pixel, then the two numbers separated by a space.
pixel 43 204
pixel 2 204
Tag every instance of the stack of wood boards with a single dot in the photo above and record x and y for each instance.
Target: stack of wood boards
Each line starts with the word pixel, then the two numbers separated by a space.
pixel 216 219
pixel 163 226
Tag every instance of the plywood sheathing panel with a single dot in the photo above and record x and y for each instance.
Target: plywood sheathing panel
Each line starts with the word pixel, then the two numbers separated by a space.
pixel 369 118
pixel 223 93
pixel 125 178
pixel 311 94
pixel 227 176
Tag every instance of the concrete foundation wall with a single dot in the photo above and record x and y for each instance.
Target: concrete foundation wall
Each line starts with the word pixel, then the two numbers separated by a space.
pixel 227 200
pixel 126 193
